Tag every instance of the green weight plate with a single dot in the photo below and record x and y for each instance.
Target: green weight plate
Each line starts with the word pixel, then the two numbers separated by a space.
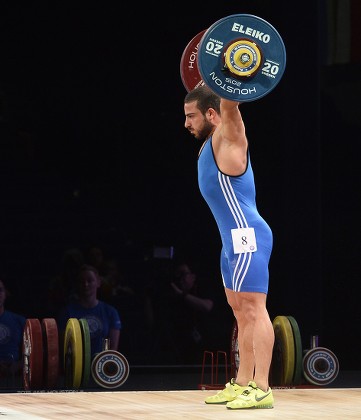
pixel 86 351
pixel 297 376
pixel 283 360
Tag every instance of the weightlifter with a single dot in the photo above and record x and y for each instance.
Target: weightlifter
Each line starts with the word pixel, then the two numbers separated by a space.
pixel 226 182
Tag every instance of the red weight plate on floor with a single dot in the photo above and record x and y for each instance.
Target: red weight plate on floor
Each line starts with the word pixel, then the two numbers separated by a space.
pixel 32 355
pixel 51 352
pixel 189 64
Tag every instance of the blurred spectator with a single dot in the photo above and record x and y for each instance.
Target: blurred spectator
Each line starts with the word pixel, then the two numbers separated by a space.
pixel 180 312
pixel 95 256
pixel 11 338
pixel 103 318
pixel 114 283
pixel 61 288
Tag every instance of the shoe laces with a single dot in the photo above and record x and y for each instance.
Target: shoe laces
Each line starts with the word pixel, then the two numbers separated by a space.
pixel 252 385
pixel 230 388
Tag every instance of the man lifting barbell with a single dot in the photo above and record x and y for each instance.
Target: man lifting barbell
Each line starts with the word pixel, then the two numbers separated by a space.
pixel 234 70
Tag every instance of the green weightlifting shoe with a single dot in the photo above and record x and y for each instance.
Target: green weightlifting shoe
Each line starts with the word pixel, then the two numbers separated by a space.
pixel 229 393
pixel 252 397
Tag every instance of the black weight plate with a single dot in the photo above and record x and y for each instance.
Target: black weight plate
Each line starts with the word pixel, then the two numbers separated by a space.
pixel 213 47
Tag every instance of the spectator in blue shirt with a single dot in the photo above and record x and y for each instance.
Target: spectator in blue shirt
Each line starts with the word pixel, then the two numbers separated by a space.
pixel 11 337
pixel 103 319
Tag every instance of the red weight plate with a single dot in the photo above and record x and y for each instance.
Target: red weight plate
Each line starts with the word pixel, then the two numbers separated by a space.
pixel 190 75
pixel 32 354
pixel 51 352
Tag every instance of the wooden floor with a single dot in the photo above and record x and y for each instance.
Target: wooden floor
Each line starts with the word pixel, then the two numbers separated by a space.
pixel 290 404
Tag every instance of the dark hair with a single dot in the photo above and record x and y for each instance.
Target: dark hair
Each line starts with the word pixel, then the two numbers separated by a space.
pixel 205 98
pixel 87 267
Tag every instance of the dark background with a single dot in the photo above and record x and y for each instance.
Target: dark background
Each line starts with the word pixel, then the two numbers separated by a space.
pixel 93 150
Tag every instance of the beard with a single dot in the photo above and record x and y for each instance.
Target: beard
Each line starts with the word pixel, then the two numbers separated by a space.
pixel 205 131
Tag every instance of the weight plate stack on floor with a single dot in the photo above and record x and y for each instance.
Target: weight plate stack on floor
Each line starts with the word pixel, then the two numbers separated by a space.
pixel 84 326
pixel 32 355
pixel 110 369
pixel 298 370
pixel 73 354
pixel 283 359
pixel 320 366
pixel 51 352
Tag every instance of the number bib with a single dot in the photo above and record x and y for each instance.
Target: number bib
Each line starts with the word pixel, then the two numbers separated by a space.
pixel 244 240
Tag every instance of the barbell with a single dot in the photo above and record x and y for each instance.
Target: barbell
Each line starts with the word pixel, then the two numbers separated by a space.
pixel 240 57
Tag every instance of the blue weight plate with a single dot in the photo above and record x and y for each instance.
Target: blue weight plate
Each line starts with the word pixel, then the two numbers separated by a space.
pixel 213 47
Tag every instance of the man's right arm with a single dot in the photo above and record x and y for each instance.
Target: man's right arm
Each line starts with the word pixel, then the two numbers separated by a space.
pixel 230 141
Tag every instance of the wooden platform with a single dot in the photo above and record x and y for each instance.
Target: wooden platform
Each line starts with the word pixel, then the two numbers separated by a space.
pixel 292 404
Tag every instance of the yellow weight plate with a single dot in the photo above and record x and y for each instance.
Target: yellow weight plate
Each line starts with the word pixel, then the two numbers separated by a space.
pixel 84 326
pixel 283 360
pixel 73 354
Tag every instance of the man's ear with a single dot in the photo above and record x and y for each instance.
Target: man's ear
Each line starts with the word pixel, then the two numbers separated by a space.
pixel 210 112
